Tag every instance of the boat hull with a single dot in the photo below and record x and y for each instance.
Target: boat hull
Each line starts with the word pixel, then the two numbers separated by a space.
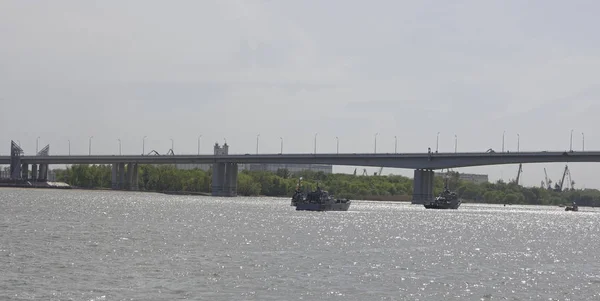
pixel 323 207
pixel 433 205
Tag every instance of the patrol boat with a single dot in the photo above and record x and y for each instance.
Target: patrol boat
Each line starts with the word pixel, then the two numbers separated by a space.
pixel 446 200
pixel 319 200
pixel 299 194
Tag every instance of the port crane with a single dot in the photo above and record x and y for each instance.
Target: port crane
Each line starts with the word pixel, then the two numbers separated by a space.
pixel 519 173
pixel 559 186
pixel 548 183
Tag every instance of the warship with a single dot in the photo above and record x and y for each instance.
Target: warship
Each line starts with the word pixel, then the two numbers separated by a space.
pixel 446 200
pixel 572 208
pixel 299 195
pixel 319 200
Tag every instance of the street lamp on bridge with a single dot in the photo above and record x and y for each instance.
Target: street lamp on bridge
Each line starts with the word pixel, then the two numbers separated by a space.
pixel 316 142
pixel 37 140
pixel 395 144
pixel 337 144
pixel 582 142
pixel 455 142
pixel 257 143
pixel 69 146
pixel 376 142
pixel 119 139
pixel 503 133
pixel 571 144
pixel 90 146
pixel 518 142
pixel 281 147
pixel 437 142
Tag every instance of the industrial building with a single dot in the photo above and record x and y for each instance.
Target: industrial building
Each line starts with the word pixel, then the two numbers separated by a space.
pixel 467 177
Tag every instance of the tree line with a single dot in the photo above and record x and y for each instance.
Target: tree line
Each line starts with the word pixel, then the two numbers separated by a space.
pixel 282 184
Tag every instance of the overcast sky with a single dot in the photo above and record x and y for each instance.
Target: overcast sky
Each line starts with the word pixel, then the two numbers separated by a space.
pixel 234 69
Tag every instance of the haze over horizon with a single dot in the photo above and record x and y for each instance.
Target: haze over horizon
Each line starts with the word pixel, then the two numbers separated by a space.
pixel 349 69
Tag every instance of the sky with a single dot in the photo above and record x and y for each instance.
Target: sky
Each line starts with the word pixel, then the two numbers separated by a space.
pixel 362 71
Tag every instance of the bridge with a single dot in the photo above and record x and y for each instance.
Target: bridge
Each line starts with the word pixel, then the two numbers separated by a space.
pixel 224 182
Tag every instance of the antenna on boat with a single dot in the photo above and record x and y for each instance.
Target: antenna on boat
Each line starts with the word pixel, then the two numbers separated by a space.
pixel 446 178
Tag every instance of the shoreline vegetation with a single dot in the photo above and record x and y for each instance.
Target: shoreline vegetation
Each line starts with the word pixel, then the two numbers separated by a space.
pixel 168 179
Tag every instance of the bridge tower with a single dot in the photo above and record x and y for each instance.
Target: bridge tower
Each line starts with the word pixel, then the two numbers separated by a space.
pixel 15 160
pixel 422 186
pixel 224 175
pixel 41 174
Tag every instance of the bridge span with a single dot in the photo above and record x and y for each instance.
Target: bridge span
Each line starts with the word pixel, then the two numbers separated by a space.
pixel 406 160
pixel 225 165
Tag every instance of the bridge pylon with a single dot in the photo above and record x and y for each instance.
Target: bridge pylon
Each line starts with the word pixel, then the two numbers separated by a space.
pixel 224 175
pixel 422 186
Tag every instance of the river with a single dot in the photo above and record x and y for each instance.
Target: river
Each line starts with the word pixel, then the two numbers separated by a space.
pixel 107 245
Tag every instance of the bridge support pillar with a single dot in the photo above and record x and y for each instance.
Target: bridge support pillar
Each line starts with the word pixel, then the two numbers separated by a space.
pixel 114 183
pixel 25 171
pixel 34 171
pixel 231 173
pixel 128 177
pixel 134 177
pixel 42 173
pixel 422 186
pixel 121 176
pixel 224 179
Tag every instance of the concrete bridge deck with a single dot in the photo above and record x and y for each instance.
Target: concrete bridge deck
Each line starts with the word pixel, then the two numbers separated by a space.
pixel 407 160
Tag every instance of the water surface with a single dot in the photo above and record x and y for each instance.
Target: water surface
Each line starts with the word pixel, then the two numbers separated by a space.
pixel 105 245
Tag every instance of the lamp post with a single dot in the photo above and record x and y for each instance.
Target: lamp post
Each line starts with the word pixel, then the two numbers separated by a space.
pixel 395 144
pixel 518 142
pixel 144 145
pixel 37 140
pixel 257 143
pixel 503 133
pixel 455 142
pixel 281 146
pixel 69 146
pixel 376 142
pixel 199 144
pixel 571 145
pixel 437 142
pixel 119 139
pixel 337 144
pixel 90 146
pixel 316 142
pixel 582 142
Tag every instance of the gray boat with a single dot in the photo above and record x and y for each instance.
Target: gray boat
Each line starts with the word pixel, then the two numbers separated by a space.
pixel 299 194
pixel 446 200
pixel 319 200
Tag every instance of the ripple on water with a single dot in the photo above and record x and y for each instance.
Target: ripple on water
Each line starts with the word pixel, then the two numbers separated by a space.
pixel 94 245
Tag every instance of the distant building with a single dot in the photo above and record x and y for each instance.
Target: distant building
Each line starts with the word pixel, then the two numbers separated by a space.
pixel 468 177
